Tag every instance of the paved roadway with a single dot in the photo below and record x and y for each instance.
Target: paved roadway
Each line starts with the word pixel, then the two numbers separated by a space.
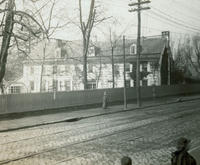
pixel 146 135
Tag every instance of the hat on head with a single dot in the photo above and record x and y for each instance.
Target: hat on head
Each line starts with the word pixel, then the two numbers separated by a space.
pixel 182 142
pixel 126 161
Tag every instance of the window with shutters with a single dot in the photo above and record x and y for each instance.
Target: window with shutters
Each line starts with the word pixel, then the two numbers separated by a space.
pixel 133 49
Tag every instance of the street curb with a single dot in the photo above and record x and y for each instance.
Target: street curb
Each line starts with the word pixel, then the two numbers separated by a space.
pixel 91 116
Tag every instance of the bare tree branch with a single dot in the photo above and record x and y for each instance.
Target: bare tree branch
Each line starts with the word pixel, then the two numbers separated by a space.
pixel 19 37
pixel 75 23
pixel 81 16
pixel 6 39
pixel 21 50
pixel 101 20
pixel 3 10
pixel 1 2
pixel 92 14
pixel 50 17
pixel 28 28
pixel 21 13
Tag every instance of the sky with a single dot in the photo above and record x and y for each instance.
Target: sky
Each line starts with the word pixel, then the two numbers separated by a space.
pixel 180 17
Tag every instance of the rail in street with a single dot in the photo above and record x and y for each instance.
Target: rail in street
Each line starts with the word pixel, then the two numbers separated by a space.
pixel 147 135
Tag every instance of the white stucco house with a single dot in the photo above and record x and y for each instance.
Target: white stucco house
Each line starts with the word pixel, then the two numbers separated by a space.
pixel 57 65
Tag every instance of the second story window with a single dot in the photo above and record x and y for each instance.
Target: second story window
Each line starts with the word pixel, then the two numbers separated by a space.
pixel 127 67
pixel 44 70
pixel 32 85
pixel 128 83
pixel 90 68
pixel 67 68
pixel 55 69
pixel 144 67
pixel 133 49
pixel 31 70
pixel 116 70
pixel 91 51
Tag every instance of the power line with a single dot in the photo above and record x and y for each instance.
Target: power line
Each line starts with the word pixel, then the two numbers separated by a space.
pixel 183 9
pixel 188 6
pixel 180 25
pixel 182 22
pixel 160 30
pixel 173 23
pixel 190 17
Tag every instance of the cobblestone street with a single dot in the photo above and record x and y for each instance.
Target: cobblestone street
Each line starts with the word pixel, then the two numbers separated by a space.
pixel 146 135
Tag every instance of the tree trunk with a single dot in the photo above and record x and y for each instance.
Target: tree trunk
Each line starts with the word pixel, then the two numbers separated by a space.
pixel 100 69
pixel 85 64
pixel 42 67
pixel 7 31
pixel 86 31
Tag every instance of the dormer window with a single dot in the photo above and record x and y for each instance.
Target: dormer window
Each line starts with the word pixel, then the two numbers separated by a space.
pixel 63 53
pixel 58 53
pixel 133 49
pixel 91 51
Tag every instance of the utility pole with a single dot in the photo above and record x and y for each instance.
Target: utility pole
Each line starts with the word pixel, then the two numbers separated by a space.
pixel 138 9
pixel 124 59
pixel 113 74
pixel 166 34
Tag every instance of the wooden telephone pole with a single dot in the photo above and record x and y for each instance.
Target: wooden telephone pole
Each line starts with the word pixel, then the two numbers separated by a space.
pixel 138 9
pixel 113 65
pixel 124 60
pixel 166 34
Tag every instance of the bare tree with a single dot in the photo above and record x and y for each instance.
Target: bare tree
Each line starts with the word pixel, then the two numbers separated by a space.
pixel 50 25
pixel 12 28
pixel 86 29
pixel 94 18
pixel 187 59
pixel 113 40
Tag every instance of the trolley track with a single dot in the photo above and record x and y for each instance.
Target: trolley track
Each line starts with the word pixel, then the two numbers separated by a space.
pixel 105 133
pixel 125 124
pixel 38 134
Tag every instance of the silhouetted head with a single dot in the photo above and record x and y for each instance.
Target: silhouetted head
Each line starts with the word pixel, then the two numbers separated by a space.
pixel 126 161
pixel 183 144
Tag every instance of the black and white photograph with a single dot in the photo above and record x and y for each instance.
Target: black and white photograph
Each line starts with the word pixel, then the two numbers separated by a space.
pixel 99 82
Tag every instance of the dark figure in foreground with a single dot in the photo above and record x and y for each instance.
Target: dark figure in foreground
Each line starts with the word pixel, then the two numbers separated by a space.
pixel 126 161
pixel 181 156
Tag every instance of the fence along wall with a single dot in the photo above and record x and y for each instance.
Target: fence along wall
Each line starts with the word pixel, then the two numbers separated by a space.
pixel 42 101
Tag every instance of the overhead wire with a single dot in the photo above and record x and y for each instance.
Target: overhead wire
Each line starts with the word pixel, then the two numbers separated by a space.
pixel 174 19
pixel 166 19
pixel 173 23
pixel 174 9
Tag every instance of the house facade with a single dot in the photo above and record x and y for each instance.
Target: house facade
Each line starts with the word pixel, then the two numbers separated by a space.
pixel 58 65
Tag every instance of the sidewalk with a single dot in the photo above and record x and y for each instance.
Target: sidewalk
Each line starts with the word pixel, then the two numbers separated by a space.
pixel 69 115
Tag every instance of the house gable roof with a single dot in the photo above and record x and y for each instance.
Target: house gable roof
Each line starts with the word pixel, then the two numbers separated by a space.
pixel 152 49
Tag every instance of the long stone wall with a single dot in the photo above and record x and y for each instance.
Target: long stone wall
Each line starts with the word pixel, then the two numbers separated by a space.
pixel 42 101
